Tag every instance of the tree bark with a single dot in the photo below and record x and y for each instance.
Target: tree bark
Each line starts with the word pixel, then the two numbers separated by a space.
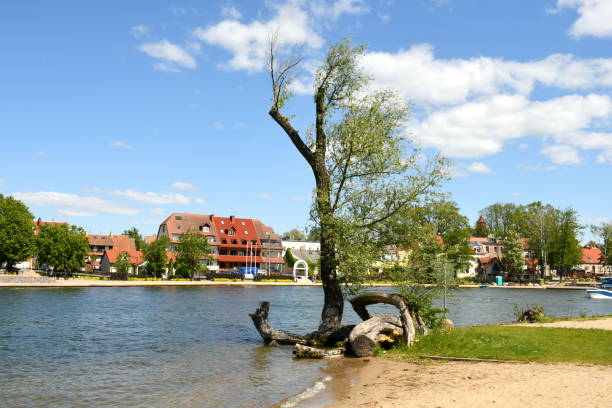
pixel 302 351
pixel 330 338
pixel 365 335
pixel 260 319
pixel 360 302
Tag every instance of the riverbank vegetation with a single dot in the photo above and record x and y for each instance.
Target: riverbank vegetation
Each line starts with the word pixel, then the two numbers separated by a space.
pixel 520 343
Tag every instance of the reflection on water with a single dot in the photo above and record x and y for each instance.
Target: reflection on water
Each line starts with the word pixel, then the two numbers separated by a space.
pixel 187 346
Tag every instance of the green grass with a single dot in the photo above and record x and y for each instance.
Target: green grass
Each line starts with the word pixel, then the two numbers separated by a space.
pixel 541 344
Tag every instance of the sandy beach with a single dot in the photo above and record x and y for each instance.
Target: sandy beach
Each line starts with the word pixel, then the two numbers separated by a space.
pixel 382 382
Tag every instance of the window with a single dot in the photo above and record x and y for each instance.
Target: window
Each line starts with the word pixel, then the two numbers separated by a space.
pixel 254 243
pixel 211 239
pixel 246 232
pixel 178 218
pixel 234 241
pixel 243 223
pixel 231 232
pixel 224 241
pixel 178 227
pixel 205 228
pixel 222 222
pixel 244 242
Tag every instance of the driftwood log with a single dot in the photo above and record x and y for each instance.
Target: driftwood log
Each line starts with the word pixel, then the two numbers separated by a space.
pixel 302 351
pixel 329 338
pixel 365 335
pixel 361 301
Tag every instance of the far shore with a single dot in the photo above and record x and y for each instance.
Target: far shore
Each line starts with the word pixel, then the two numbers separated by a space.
pixel 75 282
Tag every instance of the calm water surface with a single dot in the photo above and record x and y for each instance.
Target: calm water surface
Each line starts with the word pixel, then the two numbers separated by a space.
pixel 188 346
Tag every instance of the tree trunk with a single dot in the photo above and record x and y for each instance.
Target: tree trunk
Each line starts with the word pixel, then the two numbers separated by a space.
pixel 365 335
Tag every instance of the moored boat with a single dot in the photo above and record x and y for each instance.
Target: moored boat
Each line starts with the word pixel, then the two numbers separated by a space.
pixel 604 291
pixel 599 293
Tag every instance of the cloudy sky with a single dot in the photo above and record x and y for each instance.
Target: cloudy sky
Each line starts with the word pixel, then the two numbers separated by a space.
pixel 115 114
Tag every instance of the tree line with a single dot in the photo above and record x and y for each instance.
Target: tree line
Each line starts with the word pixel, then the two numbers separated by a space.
pixel 64 248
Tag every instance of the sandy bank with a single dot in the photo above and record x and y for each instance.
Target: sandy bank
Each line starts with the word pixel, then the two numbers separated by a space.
pixel 65 283
pixel 381 383
pixel 605 324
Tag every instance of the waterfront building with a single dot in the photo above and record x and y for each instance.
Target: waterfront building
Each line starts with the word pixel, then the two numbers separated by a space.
pixel 98 243
pixel 235 242
pixel 591 263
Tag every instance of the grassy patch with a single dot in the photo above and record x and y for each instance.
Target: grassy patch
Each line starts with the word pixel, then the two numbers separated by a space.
pixel 542 344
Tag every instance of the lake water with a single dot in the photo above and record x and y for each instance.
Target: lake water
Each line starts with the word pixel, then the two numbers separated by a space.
pixel 188 346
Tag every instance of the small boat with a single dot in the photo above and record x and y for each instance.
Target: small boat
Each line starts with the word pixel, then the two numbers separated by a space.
pixel 604 291
pixel 599 293
pixel 483 286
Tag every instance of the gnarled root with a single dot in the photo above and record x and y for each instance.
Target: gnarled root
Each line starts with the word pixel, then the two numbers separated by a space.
pixel 361 301
pixel 316 338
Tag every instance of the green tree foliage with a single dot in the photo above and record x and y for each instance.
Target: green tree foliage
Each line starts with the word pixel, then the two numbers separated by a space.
pixel 123 265
pixel 364 167
pixel 513 253
pixel 604 233
pixel 189 251
pixel 17 241
pixel 565 250
pixel 63 247
pixel 293 235
pixel 134 233
pixel 289 258
pixel 481 230
pixel 541 225
pixel 504 217
pixel 314 234
pixel 155 256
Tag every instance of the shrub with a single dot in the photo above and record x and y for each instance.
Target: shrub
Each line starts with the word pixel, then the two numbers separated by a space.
pixel 531 314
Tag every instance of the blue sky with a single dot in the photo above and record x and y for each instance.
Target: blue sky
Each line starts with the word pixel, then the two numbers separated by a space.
pixel 115 114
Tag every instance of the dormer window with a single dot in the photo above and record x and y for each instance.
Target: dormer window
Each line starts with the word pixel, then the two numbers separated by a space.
pixel 244 242
pixel 178 218
pixel 231 231
pixel 222 222
pixel 234 241
pixel 205 228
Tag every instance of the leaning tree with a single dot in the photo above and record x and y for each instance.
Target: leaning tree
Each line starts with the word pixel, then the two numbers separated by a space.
pixel 366 172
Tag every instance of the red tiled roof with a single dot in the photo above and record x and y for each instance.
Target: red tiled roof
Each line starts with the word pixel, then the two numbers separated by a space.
pixel 481 220
pixel 244 229
pixel 149 238
pixel 187 222
pixel 136 257
pixel 591 255
pixel 119 242
pixel 39 223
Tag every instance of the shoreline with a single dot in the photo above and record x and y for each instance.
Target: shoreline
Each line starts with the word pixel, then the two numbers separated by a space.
pixel 391 382
pixel 75 282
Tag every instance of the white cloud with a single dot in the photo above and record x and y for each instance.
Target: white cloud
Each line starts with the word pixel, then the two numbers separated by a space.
pixel 160 212
pixel 424 79
pixel 605 157
pixel 2 182
pixel 152 198
pixel 337 8
pixel 218 125
pixel 139 31
pixel 562 154
pixel 171 54
pixel 524 146
pixel 248 42
pixel 229 11
pixel 119 143
pixel 74 205
pixel 183 186
pixel 479 167
pixel 266 196
pixel 199 200
pixel 516 194
pixel 594 17
pixel 480 128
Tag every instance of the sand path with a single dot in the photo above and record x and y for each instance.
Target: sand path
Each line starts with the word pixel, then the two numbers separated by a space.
pixel 382 383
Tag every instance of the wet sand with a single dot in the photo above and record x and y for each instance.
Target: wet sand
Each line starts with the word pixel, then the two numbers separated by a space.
pixel 382 383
